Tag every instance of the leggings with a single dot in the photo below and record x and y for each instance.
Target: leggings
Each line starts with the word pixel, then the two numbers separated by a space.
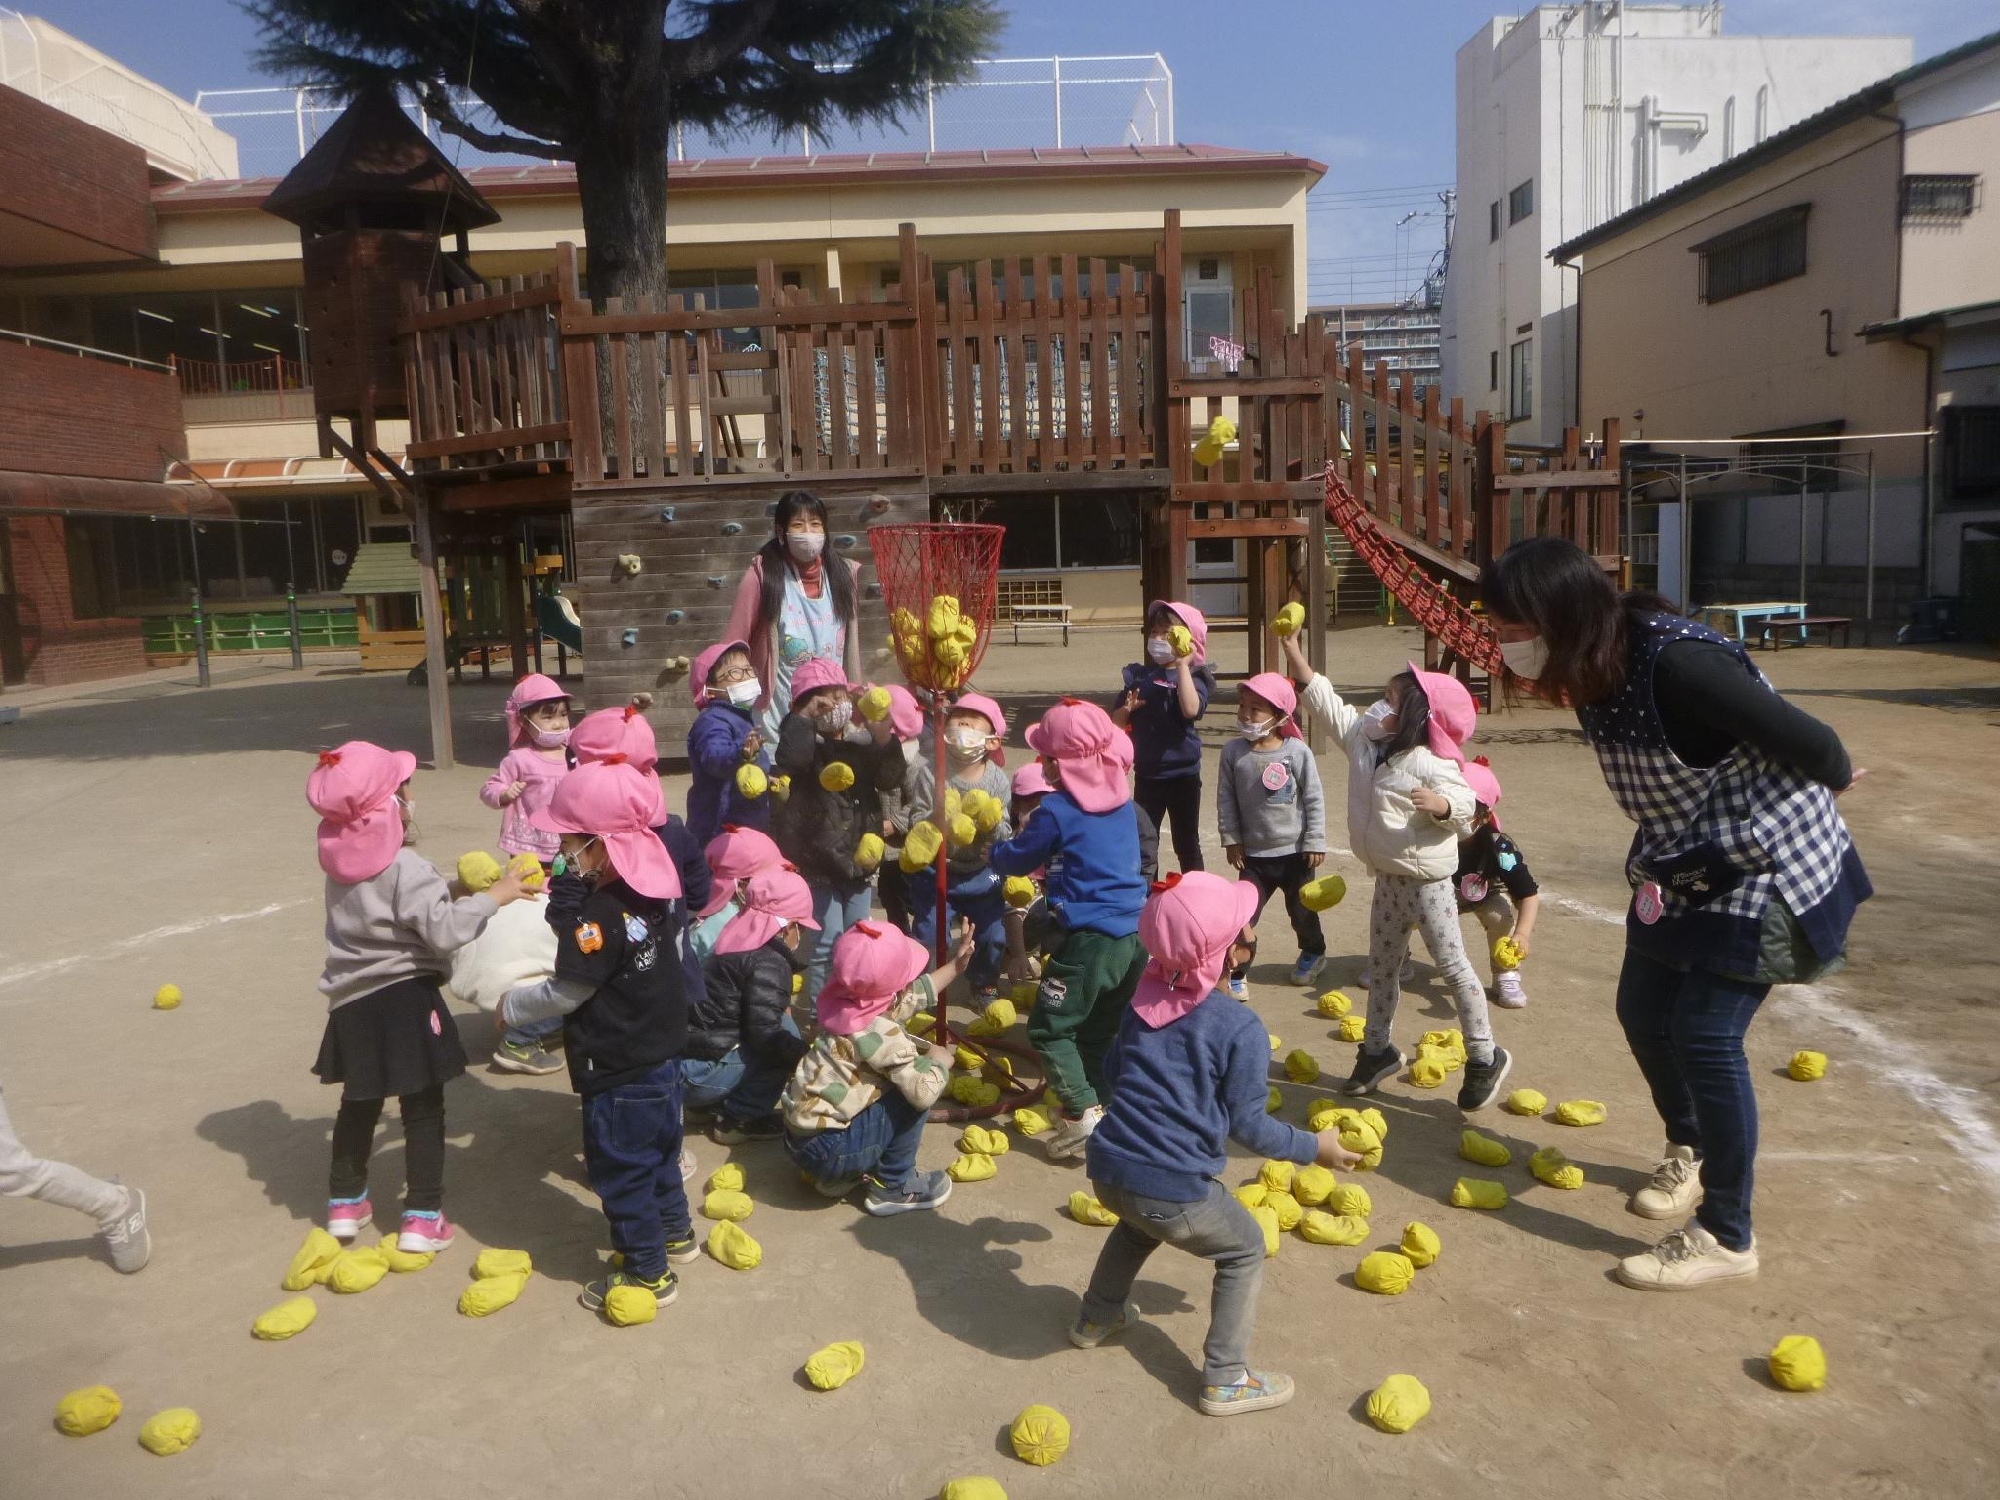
pixel 423 1148
pixel 26 1175
pixel 1179 796
pixel 1401 903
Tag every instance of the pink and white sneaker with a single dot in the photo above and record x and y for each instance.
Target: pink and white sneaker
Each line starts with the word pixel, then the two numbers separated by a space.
pixel 346 1220
pixel 424 1234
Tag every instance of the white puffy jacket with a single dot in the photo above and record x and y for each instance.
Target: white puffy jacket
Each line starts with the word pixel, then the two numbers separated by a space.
pixel 1384 828
pixel 517 947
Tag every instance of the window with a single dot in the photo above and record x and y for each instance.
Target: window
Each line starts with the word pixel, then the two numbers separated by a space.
pixel 1050 532
pixel 1493 370
pixel 715 290
pixel 1758 254
pixel 1520 380
pixel 1971 455
pixel 1521 202
pixel 1940 197
pixel 1493 220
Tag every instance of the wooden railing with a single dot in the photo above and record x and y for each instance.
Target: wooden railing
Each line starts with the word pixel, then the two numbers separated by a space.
pixel 484 384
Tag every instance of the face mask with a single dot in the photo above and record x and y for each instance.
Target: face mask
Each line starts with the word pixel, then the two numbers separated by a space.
pixel 548 739
pixel 1526 659
pixel 805 546
pixel 835 719
pixel 566 864
pixel 1375 723
pixel 1254 730
pixel 409 812
pixel 743 694
pixel 1159 650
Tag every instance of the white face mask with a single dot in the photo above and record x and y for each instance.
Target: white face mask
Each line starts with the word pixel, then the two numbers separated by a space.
pixel 743 694
pixel 965 745
pixel 549 739
pixel 834 720
pixel 805 546
pixel 1255 729
pixel 1159 650
pixel 1377 722
pixel 1526 659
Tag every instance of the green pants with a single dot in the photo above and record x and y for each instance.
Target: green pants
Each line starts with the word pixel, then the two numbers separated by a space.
pixel 1086 985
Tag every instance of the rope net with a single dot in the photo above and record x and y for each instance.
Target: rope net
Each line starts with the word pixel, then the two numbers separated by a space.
pixel 941 585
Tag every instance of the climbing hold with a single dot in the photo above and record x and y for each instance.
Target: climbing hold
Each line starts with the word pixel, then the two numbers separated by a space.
pixel 313 1257
pixel 1353 1028
pixel 731 1244
pixel 1312 1185
pixel 629 636
pixel 171 1431
pixel 1387 1273
pixel 627 1306
pixel 1798 1363
pixel 1550 1166
pixel 401 1261
pixel 1301 1066
pixel 629 563
pixel 1352 1199
pixel 1087 1210
pixel 357 1270
pixel 832 1367
pixel 1399 1403
pixel 1277 1175
pixel 1420 1243
pixel 727 1203
pixel 732 528
pixel 1322 1228
pixel 971 1166
pixel 1527 1102
pixel 1323 894
pixel 1476 1192
pixel 89 1410
pixel 1040 1435
pixel 1267 1220
pixel 1805 1067
pixel 1334 1005
pixel 843 541
pixel 1286 1207
pixel 1482 1150
pixel 674 617
pixel 168 997
pixel 666 513
pixel 295 1315
pixel 491 1293
pixel 1289 619
pixel 1580 1112
pixel 716 580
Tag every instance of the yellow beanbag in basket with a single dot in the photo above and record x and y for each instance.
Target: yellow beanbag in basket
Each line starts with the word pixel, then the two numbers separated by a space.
pixel 89 1410
pixel 832 1367
pixel 1399 1403
pixel 1040 1435
pixel 1387 1273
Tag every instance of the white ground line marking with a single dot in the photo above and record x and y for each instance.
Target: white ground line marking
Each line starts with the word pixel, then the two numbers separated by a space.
pixel 140 940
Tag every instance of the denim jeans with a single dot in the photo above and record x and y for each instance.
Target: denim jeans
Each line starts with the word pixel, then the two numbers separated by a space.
pixel 1218 1228
pixel 880 1142
pixel 534 1033
pixel 979 898
pixel 632 1154
pixel 836 913
pixel 1686 1030
pixel 736 1088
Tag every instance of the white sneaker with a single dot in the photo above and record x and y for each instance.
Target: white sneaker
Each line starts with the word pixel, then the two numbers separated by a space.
pixel 1507 991
pixel 1071 1135
pixel 1688 1258
pixel 1675 1188
pixel 688 1166
pixel 126 1237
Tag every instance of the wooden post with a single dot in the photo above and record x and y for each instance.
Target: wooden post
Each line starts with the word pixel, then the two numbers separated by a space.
pixel 516 616
pixel 430 600
pixel 1313 633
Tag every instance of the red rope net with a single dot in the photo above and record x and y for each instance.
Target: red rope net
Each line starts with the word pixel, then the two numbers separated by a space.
pixel 940 582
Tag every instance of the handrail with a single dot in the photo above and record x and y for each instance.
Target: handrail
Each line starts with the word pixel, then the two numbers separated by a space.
pixel 83 350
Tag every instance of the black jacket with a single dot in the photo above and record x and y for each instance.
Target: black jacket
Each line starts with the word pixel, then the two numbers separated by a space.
pixel 744 1002
pixel 627 948
pixel 818 829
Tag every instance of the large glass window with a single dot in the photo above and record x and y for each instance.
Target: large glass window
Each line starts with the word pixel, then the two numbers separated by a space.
pixel 1050 532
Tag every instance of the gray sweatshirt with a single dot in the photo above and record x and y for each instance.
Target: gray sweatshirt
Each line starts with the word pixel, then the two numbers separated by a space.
pixel 916 806
pixel 398 925
pixel 1269 801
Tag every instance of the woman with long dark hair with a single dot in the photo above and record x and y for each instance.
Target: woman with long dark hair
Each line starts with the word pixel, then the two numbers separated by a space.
pixel 794 604
pixel 1742 872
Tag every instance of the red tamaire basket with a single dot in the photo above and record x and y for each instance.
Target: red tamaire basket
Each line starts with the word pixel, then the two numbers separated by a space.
pixel 916 563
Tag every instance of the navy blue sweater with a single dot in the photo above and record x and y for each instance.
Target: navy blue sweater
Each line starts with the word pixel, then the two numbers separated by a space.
pixel 1180 1094
pixel 715 755
pixel 1164 742
pixel 1096 885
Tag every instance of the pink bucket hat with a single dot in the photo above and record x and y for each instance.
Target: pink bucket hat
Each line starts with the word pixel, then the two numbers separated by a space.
pixel 770 900
pixel 1194 619
pixel 906 715
pixel 1485 785
pixel 613 800
pixel 353 789
pixel 704 663
pixel 1276 690
pixel 1453 713
pixel 986 708
pixel 816 672
pixel 534 688
pixel 1032 781
pixel 872 963
pixel 1187 928
pixel 736 854
pixel 1092 754
pixel 615 735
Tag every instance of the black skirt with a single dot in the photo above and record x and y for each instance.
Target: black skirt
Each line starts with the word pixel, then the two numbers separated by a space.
pixel 393 1041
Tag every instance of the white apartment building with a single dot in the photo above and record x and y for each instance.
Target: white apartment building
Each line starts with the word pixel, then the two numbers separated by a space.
pixel 1567 117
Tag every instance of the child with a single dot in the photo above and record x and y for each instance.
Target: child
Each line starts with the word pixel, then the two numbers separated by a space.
pixel 723 740
pixel 817 827
pixel 1407 807
pixel 733 856
pixel 856 1105
pixel 1490 871
pixel 120 1211
pixel 1272 815
pixel 620 998
pixel 742 1045
pixel 1028 926
pixel 1088 839
pixel 1189 1066
pixel 1164 699
pixel 975 759
pixel 391 926
pixel 906 720
pixel 537 758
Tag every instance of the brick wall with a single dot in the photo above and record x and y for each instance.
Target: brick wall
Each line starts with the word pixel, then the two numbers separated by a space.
pixel 75 179
pixel 62 414
pixel 61 648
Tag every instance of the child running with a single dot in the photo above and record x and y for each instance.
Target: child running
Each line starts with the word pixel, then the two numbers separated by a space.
pixel 855 1107
pixel 391 926
pixel 119 1211
pixel 723 740
pixel 1407 808
pixel 1164 698
pixel 619 996
pixel 742 1044
pixel 1086 836
pixel 1495 885
pixel 1189 1068
pixel 975 759
pixel 1272 816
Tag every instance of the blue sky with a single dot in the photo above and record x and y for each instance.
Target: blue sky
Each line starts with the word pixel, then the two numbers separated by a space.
pixel 1364 87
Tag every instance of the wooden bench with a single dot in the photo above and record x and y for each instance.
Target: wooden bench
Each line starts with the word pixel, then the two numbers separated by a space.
pixel 1745 618
pixel 1032 601
pixel 1774 633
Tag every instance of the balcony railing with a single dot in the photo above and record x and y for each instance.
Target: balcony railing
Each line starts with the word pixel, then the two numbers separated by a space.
pixel 244 390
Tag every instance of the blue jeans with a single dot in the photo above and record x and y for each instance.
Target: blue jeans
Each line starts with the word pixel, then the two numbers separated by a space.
pixel 880 1142
pixel 1686 1033
pixel 735 1088
pixel 836 913
pixel 981 899
pixel 1218 1228
pixel 632 1154
pixel 534 1033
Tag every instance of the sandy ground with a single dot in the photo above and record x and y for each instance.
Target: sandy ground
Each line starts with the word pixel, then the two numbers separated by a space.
pixel 160 834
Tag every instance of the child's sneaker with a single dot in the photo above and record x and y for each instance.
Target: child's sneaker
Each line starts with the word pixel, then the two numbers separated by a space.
pixel 1072 1133
pixel 1675 1188
pixel 1088 1335
pixel 1236 987
pixel 924 1190
pixel 682 1250
pixel 1371 1067
pixel 1690 1257
pixel 347 1217
pixel 1306 970
pixel 664 1290
pixel 1483 1080
pixel 1258 1390
pixel 728 1132
pixel 1507 991
pixel 424 1234
pixel 126 1237
pixel 688 1167
pixel 525 1057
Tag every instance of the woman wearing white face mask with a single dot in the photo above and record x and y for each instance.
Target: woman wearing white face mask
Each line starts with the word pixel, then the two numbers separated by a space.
pixel 723 739
pixel 1743 873
pixel 793 605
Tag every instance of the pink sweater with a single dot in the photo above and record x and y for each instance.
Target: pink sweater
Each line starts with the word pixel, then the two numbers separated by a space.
pixel 541 772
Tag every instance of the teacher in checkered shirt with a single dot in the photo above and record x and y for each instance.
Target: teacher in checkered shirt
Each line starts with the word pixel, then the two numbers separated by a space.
pixel 1743 875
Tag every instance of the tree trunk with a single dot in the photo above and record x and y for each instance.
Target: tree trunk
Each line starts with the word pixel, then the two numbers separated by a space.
pixel 621 179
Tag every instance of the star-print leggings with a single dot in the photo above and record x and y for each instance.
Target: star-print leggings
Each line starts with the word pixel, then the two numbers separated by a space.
pixel 1403 902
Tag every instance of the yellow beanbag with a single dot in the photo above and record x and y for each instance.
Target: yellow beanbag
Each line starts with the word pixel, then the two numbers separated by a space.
pixel 832 1367
pixel 171 1431
pixel 629 1306
pixel 751 781
pixel 1527 1102
pixel 1311 1185
pixel 1030 1121
pixel 1275 1101
pixel 731 1244
pixel 501 1263
pixel 972 1487
pixel 314 1256
pixel 491 1293
pixel 1277 1174
pixel 294 1315
pixel 1450 1043
pixel 1323 894
pixel 1399 1403
pixel 1358 1135
pixel 976 1093
pixel 1807 1067
pixel 1301 1066
pixel 1181 639
pixel 964 832
pixel 971 1166
pixel 1323 1228
pixel 1550 1166
pixel 529 868
pixel 1267 1220
pixel 1040 1435
pixel 477 869
pixel 868 852
pixel 1324 1114
pixel 1334 1004
pixel 167 997
pixel 1476 1192
pixel 781 788
pixel 1421 1244
pixel 1353 1028
pixel 89 1410
pixel 1352 1199
pixel 1372 1118
pixel 996 1018
pixel 403 1262
pixel 1286 1207
pixel 990 814
pixel 978 1139
pixel 1506 954
pixel 1277 1042
pixel 727 1178
pixel 1798 1363
pixel 1087 1210
pixel 920 847
pixel 357 1270
pixel 1251 1194
pixel 1019 892
pixel 967 1060
pixel 836 776
pixel 1483 1150
pixel 996 1067
pixel 874 705
pixel 1428 1071
pixel 725 1203
pixel 1387 1273
pixel 1580 1112
pixel 1289 619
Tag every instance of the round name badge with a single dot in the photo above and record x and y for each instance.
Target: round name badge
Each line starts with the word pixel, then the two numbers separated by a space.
pixel 1474 889
pixel 1646 903
pixel 1275 776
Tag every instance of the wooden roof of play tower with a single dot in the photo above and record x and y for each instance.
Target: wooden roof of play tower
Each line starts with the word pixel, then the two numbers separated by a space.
pixel 374 154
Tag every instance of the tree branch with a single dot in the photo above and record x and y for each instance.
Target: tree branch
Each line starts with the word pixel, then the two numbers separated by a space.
pixel 733 26
pixel 437 104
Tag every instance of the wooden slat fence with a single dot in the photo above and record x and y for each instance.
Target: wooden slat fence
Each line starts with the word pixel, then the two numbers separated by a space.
pixel 482 377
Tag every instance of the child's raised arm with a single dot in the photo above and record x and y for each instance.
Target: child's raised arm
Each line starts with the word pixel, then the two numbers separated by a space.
pixel 1030 849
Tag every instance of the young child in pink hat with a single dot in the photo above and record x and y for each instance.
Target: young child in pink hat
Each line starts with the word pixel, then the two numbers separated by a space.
pixel 1494 883
pixel 733 856
pixel 1162 702
pixel 391 926
pixel 723 740
pixel 742 1041
pixel 1407 807
pixel 1272 816
pixel 1085 835
pixel 620 997
pixel 907 723
pixel 1189 1067
pixel 855 1107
